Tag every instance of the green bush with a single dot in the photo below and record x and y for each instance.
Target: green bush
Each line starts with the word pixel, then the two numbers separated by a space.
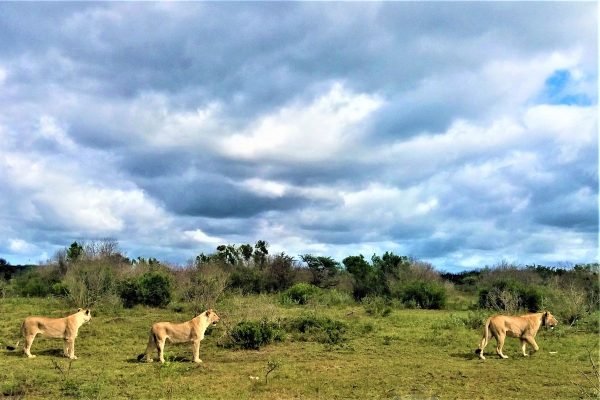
pixel 60 289
pixel 35 282
pixel 129 291
pixel 155 289
pixel 89 282
pixel 254 334
pixel 152 289
pixel 334 298
pixel 377 306
pixel 31 284
pixel 510 295
pixel 419 294
pixel 312 328
pixel 300 293
pixel 247 280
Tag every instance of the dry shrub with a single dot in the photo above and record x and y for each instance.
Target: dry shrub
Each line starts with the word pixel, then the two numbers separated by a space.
pixel 203 286
pixel 89 282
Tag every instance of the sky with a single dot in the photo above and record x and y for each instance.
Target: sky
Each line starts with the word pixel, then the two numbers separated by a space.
pixel 461 134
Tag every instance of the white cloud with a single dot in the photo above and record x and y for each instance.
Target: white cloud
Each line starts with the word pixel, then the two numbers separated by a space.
pixel 62 195
pixel 20 246
pixel 200 237
pixel 49 129
pixel 305 132
pixel 572 128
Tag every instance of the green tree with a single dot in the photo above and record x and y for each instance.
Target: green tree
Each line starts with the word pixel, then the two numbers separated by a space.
pixel 260 253
pixel 228 254
pixel 364 274
pixel 74 252
pixel 246 251
pixel 323 269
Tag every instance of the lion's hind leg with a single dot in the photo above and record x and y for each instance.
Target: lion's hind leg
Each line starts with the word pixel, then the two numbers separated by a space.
pixel 152 346
pixel 484 340
pixel 482 344
pixel 500 344
pixel 27 345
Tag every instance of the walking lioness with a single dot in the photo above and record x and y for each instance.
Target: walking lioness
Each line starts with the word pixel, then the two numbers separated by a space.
pixel 524 327
pixel 59 328
pixel 189 331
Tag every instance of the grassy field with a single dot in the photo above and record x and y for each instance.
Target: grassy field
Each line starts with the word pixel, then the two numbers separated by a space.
pixel 409 354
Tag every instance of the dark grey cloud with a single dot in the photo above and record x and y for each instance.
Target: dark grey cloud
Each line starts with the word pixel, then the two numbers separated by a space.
pixel 216 197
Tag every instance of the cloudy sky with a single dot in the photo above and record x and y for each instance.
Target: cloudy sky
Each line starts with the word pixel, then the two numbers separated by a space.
pixel 462 134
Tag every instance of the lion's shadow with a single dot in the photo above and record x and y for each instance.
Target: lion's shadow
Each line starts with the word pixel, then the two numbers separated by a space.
pixel 44 353
pixel 467 355
pixel 181 359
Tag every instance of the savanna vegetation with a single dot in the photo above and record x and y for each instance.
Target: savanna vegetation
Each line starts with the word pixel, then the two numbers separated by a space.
pixel 388 327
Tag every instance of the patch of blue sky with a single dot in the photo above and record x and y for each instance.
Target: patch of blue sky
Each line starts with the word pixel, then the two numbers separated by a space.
pixel 562 88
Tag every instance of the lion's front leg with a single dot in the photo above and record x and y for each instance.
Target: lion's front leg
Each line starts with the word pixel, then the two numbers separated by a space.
pixel 531 341
pixel 160 346
pixel 196 351
pixel 66 348
pixel 71 345
pixel 524 347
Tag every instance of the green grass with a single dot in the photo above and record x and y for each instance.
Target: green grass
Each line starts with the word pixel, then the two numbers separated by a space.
pixel 410 354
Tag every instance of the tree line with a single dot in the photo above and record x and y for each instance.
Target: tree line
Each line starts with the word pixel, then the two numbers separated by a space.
pixel 97 272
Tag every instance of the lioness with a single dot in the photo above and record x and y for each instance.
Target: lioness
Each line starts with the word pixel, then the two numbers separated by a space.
pixel 189 331
pixel 524 327
pixel 59 328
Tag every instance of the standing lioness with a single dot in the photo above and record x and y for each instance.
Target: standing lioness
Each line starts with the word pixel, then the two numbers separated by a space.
pixel 59 328
pixel 524 327
pixel 190 331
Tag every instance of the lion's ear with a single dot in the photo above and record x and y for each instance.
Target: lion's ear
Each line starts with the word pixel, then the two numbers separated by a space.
pixel 87 312
pixel 208 313
pixel 79 310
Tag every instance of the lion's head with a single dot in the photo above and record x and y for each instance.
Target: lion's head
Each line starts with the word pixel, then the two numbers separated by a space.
pixel 86 313
pixel 212 316
pixel 549 320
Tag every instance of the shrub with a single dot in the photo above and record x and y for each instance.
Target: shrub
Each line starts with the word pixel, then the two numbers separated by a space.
pixel 334 298
pixel 569 305
pixel 155 289
pixel 318 329
pixel 473 320
pixel 419 294
pixel 88 282
pixel 377 306
pixel 31 284
pixel 129 291
pixel 201 287
pixel 300 293
pixel 35 282
pixel 60 289
pixel 247 280
pixel 254 334
pixel 510 295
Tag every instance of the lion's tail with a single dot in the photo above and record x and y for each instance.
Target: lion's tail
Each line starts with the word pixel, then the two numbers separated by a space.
pixel 12 348
pixel 486 337
pixel 151 345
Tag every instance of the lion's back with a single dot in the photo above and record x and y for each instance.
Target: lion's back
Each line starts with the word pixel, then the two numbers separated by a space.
pixel 49 326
